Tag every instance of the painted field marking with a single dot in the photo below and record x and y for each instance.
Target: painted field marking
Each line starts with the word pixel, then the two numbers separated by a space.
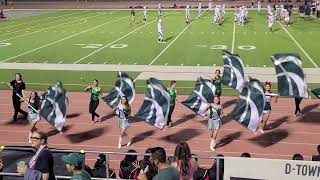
pixel 181 64
pixel 89 62
pixel 22 35
pixel 30 29
pixel 166 64
pixel 79 60
pixel 17 61
pixel 68 37
pixel 300 47
pixel 45 62
pixel 233 37
pixel 39 20
pixel 60 62
pixel 105 62
pixel 30 62
pixel 119 63
pixel 156 58
pixel 135 63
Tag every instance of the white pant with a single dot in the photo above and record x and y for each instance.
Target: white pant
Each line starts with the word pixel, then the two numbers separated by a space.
pixel 160 35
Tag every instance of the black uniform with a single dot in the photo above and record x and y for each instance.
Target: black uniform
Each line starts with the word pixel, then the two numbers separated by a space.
pixel 17 88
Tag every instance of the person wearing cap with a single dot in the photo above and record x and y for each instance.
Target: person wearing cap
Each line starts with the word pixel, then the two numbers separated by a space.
pixel 165 170
pixel 74 164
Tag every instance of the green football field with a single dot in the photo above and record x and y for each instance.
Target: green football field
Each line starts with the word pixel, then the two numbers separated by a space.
pixel 107 37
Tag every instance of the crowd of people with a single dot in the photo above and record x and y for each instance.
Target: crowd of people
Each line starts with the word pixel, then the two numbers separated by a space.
pixel 155 165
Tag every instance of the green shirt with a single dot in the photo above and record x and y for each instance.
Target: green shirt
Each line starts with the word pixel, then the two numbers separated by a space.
pixel 84 175
pixel 95 91
pixel 172 93
pixel 217 83
pixel 169 173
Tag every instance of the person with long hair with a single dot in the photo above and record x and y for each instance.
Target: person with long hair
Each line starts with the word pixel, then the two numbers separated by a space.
pixel 18 87
pixel 183 162
pixel 123 111
pixel 129 166
pixel 214 121
pixel 267 108
pixel 33 113
pixel 173 94
pixel 95 92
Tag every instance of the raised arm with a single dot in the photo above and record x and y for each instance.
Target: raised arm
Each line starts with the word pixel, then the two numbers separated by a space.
pixel 87 88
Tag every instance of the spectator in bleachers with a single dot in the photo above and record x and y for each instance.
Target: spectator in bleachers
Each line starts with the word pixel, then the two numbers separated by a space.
pixel 182 161
pixel 1 168
pixel 212 172
pixel 100 168
pixel 41 164
pixel 129 166
pixel 74 163
pixel 88 169
pixel 297 157
pixel 199 173
pixel 317 157
pixel 245 155
pixel 165 171
pixel 145 162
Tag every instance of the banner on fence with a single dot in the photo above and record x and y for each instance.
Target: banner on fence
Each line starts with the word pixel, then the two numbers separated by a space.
pixel 269 169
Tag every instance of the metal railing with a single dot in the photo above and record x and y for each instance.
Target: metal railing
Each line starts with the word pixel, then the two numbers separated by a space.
pixel 106 153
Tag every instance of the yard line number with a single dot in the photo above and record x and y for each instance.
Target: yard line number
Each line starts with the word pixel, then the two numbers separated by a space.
pixel 96 46
pixel 223 47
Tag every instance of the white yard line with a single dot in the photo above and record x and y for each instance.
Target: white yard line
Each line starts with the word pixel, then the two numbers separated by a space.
pixel 19 24
pixel 94 52
pixel 22 35
pixel 64 39
pixel 156 58
pixel 35 27
pixel 300 47
pixel 233 37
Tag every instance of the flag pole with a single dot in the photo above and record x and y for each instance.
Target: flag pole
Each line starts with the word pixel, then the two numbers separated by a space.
pixel 20 96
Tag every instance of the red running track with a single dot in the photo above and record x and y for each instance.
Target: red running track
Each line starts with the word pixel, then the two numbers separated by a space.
pixel 286 134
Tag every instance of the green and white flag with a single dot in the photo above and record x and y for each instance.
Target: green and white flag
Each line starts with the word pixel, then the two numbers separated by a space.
pixel 54 105
pixel 233 73
pixel 156 104
pixel 291 79
pixel 202 94
pixel 124 86
pixel 249 109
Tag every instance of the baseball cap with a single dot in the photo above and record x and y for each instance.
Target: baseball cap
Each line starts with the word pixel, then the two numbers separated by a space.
pixel 73 159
